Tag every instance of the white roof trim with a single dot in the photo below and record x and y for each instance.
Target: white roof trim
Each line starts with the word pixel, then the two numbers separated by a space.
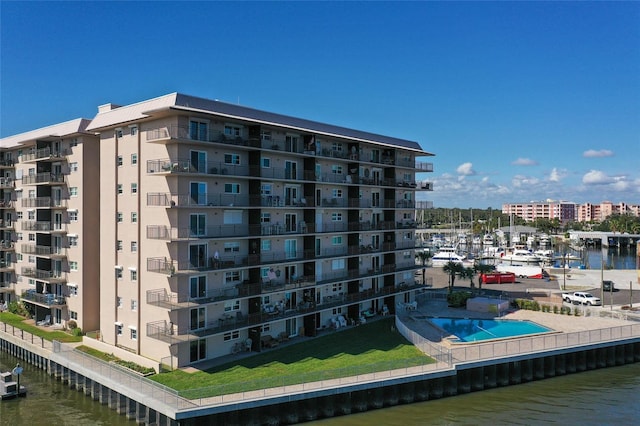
pixel 118 266
pixel 117 323
pixel 133 327
pixel 133 268
pixel 72 285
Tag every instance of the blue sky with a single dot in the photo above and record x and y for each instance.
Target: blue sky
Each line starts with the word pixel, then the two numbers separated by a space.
pixel 519 101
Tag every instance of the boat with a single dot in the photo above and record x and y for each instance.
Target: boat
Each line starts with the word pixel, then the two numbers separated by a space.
pixel 520 255
pixel 487 240
pixel 446 255
pixel 8 387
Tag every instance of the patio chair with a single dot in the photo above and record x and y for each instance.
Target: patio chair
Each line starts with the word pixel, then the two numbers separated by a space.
pixel 45 322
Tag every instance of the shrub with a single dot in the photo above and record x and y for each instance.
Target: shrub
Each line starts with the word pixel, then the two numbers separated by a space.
pixel 576 311
pixel 18 309
pixel 555 309
pixel 72 324
pixel 458 299
pixel 76 331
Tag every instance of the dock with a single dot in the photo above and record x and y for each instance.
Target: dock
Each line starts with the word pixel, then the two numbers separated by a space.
pixel 9 388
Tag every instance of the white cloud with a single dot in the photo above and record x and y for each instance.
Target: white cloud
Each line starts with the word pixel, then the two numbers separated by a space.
pixel 596 177
pixel 466 169
pixel 524 162
pixel 592 153
pixel 557 175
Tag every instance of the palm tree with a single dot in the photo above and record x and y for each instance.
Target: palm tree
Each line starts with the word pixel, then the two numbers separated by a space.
pixel 481 268
pixel 468 273
pixel 453 269
pixel 424 256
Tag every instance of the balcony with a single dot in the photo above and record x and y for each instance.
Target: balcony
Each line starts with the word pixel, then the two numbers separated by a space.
pixel 7 183
pixel 44 202
pixel 6 204
pixel 6 224
pixel 423 167
pixel 6 265
pixel 159 232
pixel 43 178
pixel 424 204
pixel 44 154
pixel 173 334
pixel 6 245
pixel 7 163
pixel 43 226
pixel 44 275
pixel 197 200
pixel 168 133
pixel 171 267
pixel 48 300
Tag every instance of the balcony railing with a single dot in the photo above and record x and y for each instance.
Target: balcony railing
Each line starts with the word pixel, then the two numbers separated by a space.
pixel 44 202
pixel 7 182
pixel 57 276
pixel 423 167
pixel 43 299
pixel 43 178
pixel 44 153
pixel 229 321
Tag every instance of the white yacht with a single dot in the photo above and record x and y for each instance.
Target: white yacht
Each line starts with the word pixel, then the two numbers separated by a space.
pixel 446 255
pixel 520 255
pixel 487 240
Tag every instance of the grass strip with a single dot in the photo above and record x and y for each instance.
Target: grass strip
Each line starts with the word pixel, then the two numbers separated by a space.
pixel 368 348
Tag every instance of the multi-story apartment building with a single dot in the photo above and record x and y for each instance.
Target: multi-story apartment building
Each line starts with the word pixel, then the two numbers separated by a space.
pixel 49 217
pixel 561 210
pixel 567 212
pixel 221 223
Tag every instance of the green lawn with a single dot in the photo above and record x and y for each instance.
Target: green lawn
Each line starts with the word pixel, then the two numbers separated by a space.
pixel 18 322
pixel 363 349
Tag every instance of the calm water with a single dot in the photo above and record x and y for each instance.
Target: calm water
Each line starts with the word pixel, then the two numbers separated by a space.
pixel 603 397
pixel 49 402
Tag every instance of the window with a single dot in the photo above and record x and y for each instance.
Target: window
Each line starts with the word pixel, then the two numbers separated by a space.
pixel 232 159
pixel 232 217
pixel 73 265
pixel 265 217
pixel 19 215
pixel 119 273
pixel 73 167
pixel 134 217
pixel 336 193
pixel 232 305
pixel 73 290
pixel 134 159
pixel 266 135
pixel 32 237
pixel 119 217
pixel 336 169
pixel 74 142
pixel 119 188
pixel 336 217
pixel 266 245
pixel 337 264
pixel 134 246
pixel 233 335
pixel 31 259
pixel 119 132
pixel 134 305
pixel 197 224
pixel 266 162
pixel 335 146
pixel 73 240
pixel 232 131
pixel 31 215
pixel 73 191
pixel 119 160
pixel 266 189
pixel 133 130
pixel 134 333
pixel 73 315
pixel 198 287
pixel 198 129
pixel 119 329
pixel 232 277
pixel 232 188
pixel 119 245
pixel 265 328
pixel 133 275
pixel 119 302
pixel 336 241
pixel 134 188
pixel 73 215
pixel 232 247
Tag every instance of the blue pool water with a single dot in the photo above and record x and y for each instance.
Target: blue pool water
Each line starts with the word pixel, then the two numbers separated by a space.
pixel 473 330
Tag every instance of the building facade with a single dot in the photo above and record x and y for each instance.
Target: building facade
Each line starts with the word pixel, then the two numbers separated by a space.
pixel 569 212
pixel 49 217
pixel 222 226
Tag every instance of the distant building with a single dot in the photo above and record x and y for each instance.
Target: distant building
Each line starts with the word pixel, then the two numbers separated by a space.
pixel 569 212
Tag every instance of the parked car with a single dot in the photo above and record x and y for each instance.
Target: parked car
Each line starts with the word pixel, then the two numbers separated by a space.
pixel 581 298
pixel 609 286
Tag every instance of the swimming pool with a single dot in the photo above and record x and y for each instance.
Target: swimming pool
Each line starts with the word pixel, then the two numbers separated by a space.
pixel 473 330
